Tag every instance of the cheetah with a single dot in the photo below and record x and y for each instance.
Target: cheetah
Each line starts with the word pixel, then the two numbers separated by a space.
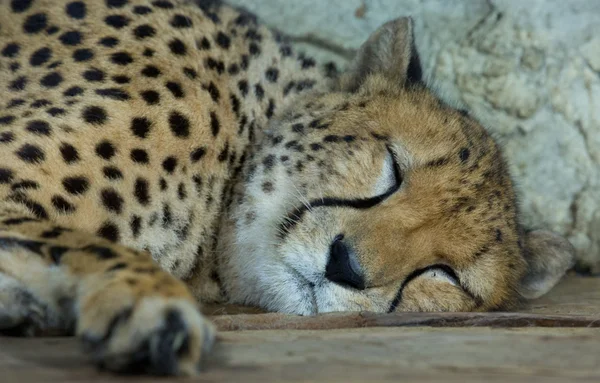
pixel 160 154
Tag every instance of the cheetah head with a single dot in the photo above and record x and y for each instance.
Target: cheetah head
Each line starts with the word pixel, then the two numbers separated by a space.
pixel 377 196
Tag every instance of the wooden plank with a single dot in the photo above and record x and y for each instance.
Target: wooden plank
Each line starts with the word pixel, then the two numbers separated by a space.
pixel 380 354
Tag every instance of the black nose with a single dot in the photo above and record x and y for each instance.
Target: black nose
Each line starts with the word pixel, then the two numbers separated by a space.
pixel 343 268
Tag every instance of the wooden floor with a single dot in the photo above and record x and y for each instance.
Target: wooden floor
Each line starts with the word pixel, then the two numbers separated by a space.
pixel 555 338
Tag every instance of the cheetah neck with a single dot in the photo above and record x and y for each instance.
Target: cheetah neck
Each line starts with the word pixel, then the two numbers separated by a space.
pixel 264 78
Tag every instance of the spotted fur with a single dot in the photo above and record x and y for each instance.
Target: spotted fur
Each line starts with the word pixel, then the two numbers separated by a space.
pixel 159 153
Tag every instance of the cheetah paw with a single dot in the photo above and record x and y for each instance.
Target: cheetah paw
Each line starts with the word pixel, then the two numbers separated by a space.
pixel 21 313
pixel 158 336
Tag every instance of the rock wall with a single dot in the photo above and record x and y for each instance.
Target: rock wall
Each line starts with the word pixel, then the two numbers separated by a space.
pixel 529 70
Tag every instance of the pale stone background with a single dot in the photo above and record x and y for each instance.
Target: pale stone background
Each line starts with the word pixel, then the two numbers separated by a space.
pixel 529 69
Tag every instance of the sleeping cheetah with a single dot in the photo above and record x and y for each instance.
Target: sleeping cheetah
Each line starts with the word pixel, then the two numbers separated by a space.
pixel 159 153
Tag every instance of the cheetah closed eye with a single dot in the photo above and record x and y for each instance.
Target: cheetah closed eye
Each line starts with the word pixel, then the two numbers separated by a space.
pixel 159 153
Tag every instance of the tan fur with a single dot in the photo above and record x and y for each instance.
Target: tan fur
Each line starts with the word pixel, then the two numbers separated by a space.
pixel 156 154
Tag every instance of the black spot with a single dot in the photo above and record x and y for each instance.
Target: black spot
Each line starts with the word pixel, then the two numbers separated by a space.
pixel 93 75
pixel 81 55
pixel 151 97
pixel 135 225
pixel 71 38
pixel 39 127
pixel 94 115
pixel 40 103
pixel 437 162
pixel 259 91
pixel 169 164
pixel 35 23
pixel 25 185
pixel 143 31
pixel 109 231
pixel 76 9
pixel 6 120
pixel 272 74
pixel 215 125
pixel 121 79
pixel 163 184
pixel 270 108
pixel 331 138
pixel 105 150
pixel 52 30
pixel 151 71
pixel 62 205
pixel 148 52
pixel 223 40
pixel 35 207
pixel 56 111
pixel 113 93
pixel 51 80
pixel 254 49
pixel 112 200
pixel 285 50
pixel 12 104
pixel 203 44
pixel 307 62
pixel 53 233
pixel 197 183
pixel 298 128
pixel 213 91
pixel 268 187
pixel 233 69
pixel 140 126
pixel 177 47
pixel 167 218
pixel 197 154
pixel 139 156
pixel 76 185
pixel 243 87
pixel 191 73
pixel 348 138
pixel 269 162
pixel 116 21
pixel 19 6
pixel 175 89
pixel 179 124
pixel 142 10
pixel 109 41
pixel 499 235
pixel 164 4
pixel 31 153
pixel 6 176
pixel 19 84
pixel 117 266
pixel 112 173
pixel 121 58
pixel 7 137
pixel 213 64
pixel 69 153
pixel 181 193
pixel 181 21
pixel 116 3
pixel 40 57
pixel 141 191
pixel 235 104
pixel 224 153
pixel 73 91
pixel 464 154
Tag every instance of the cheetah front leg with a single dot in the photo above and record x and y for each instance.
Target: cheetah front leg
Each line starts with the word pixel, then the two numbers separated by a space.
pixel 130 314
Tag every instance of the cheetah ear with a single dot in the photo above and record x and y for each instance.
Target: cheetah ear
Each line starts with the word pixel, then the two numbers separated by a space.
pixel 390 51
pixel 548 256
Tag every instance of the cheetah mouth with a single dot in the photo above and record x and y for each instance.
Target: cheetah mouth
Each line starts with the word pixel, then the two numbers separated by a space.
pixel 305 286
